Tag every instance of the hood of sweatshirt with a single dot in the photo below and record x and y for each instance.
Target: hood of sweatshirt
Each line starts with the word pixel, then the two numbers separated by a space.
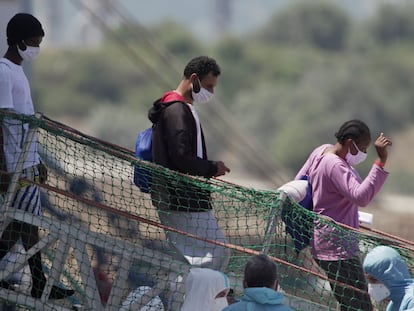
pixel 160 104
pixel 263 295
pixel 386 265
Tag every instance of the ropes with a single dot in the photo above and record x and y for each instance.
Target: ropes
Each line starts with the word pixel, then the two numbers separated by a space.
pixel 114 229
pixel 219 120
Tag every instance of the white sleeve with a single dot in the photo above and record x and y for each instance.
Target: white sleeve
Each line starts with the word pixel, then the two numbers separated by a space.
pixel 6 97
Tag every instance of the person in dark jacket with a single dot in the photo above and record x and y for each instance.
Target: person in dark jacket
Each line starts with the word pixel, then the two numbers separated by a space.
pixel 178 144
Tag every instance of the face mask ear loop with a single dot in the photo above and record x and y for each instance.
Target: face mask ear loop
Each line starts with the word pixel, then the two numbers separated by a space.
pixel 356 147
pixel 198 88
pixel 22 44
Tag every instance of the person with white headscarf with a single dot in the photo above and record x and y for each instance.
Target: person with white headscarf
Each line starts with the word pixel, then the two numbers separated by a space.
pixel 389 278
pixel 205 290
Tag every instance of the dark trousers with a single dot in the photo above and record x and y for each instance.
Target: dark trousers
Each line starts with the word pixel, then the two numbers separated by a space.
pixel 348 272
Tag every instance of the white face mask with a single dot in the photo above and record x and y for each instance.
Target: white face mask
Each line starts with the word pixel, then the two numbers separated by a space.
pixel 203 96
pixel 355 159
pixel 219 304
pixel 378 291
pixel 30 53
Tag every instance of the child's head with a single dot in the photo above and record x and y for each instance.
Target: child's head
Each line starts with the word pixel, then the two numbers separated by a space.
pixel 260 271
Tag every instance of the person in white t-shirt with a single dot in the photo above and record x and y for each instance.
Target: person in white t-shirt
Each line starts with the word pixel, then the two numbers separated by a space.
pixel 24 35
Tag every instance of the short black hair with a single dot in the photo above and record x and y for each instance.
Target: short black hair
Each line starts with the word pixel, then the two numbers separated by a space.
pixel 260 271
pixel 23 26
pixel 354 129
pixel 202 66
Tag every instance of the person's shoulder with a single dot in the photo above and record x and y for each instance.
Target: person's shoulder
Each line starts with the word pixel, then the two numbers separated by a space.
pixel 171 96
pixel 240 306
pixel 177 107
pixel 321 148
pixel 334 164
pixel 8 69
pixel 176 104
pixel 5 62
pixel 333 160
pixel 237 306
pixel 408 300
pixel 318 153
pixel 5 66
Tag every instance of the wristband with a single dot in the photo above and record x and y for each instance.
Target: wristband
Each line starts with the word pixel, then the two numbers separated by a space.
pixel 379 163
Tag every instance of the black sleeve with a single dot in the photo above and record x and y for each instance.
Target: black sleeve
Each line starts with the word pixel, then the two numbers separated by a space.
pixel 180 135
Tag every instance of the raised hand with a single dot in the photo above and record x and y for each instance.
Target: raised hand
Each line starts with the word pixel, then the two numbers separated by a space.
pixel 381 145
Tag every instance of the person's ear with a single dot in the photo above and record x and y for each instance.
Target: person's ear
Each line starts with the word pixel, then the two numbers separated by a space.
pixel 21 45
pixel 196 82
pixel 349 145
pixel 244 284
pixel 346 144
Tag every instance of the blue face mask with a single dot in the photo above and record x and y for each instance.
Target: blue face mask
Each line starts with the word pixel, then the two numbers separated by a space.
pixel 355 159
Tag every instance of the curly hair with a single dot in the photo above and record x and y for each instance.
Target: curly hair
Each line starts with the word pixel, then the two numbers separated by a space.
pixel 202 66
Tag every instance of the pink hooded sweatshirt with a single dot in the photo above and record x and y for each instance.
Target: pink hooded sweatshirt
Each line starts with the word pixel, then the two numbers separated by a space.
pixel 338 191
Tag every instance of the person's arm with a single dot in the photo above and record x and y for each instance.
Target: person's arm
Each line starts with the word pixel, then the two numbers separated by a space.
pixel 381 145
pixel 349 184
pixel 6 105
pixel 304 170
pixel 4 176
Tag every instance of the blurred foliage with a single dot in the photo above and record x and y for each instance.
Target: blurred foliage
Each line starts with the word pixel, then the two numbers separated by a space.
pixel 178 39
pixel 291 83
pixel 321 24
pixel 393 24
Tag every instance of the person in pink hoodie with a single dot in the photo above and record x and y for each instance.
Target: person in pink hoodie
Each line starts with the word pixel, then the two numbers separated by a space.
pixel 338 191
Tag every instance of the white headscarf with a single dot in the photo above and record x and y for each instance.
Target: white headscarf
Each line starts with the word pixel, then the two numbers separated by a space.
pixel 201 288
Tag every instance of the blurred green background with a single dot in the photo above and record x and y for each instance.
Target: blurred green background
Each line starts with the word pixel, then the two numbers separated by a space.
pixel 285 87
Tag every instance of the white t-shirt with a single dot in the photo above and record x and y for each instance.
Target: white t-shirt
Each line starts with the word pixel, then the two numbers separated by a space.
pixel 199 142
pixel 15 95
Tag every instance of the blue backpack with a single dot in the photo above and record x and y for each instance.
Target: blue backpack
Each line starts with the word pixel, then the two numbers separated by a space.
pixel 300 225
pixel 143 151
